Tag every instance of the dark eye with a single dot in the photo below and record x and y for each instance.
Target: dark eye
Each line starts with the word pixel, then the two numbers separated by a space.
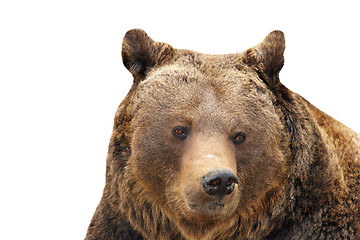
pixel 239 137
pixel 181 132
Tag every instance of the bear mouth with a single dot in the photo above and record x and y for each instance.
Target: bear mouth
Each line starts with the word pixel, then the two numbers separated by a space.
pixel 213 206
pixel 207 212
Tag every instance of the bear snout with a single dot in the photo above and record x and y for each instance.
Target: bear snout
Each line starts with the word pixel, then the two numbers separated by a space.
pixel 219 182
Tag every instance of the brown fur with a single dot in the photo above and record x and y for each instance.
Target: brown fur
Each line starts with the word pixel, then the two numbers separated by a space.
pixel 298 169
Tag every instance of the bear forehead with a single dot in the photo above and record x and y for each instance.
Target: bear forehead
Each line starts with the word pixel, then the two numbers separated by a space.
pixel 201 87
pixel 198 74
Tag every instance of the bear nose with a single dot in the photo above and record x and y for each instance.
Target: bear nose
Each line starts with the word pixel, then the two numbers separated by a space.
pixel 219 182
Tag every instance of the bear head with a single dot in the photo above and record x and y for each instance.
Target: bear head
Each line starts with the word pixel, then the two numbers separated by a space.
pixel 199 139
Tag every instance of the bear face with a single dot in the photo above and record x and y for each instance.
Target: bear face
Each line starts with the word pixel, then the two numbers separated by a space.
pixel 209 112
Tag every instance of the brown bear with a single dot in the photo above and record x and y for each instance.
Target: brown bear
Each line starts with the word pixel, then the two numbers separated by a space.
pixel 215 147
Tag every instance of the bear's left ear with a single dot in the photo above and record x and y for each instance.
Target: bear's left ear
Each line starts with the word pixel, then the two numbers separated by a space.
pixel 140 53
pixel 268 58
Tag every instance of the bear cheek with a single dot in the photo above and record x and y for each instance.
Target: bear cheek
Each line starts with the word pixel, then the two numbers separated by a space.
pixel 150 166
pixel 263 172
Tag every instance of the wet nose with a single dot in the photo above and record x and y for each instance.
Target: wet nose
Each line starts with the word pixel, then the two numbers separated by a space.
pixel 219 182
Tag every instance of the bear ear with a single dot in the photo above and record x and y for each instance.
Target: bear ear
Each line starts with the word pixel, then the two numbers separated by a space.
pixel 268 58
pixel 140 53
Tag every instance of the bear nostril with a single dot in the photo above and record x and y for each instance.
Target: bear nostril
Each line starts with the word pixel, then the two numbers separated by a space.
pixel 219 182
pixel 215 183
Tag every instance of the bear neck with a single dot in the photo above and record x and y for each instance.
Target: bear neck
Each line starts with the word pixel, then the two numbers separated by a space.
pixel 319 183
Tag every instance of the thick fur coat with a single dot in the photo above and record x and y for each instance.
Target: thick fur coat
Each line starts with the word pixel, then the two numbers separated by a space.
pixel 297 169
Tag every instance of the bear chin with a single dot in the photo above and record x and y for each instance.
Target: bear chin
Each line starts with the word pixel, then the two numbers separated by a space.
pixel 210 210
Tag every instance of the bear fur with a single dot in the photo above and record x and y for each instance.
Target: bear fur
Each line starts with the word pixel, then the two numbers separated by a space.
pixel 297 169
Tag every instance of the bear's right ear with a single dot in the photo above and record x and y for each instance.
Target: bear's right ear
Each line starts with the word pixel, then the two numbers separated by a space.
pixel 140 53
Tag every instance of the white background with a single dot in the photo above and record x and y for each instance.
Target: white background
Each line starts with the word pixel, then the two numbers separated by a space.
pixel 62 79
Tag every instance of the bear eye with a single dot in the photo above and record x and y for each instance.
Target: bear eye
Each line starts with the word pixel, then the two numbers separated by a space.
pixel 239 137
pixel 181 132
